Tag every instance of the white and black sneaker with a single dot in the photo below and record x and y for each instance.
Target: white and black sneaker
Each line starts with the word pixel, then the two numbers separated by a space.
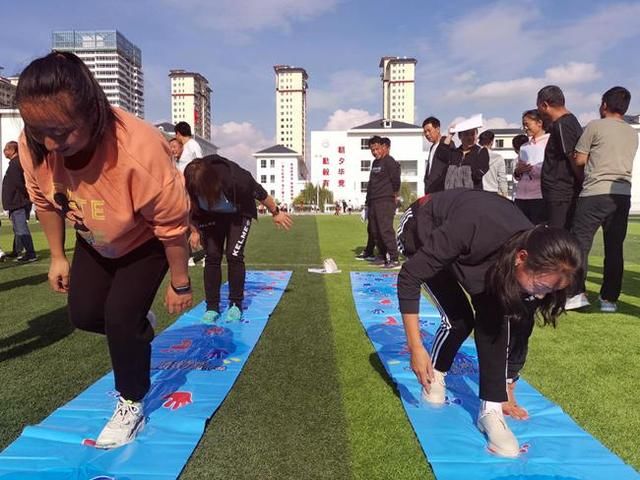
pixel 126 422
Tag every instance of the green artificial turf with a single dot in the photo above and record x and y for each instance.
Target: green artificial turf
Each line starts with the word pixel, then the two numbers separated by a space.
pixel 313 400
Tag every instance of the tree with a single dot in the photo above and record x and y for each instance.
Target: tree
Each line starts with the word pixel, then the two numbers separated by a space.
pixel 406 196
pixel 310 195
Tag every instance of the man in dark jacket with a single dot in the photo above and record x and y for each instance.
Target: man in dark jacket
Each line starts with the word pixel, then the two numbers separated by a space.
pixel 382 192
pixel 16 200
pixel 438 159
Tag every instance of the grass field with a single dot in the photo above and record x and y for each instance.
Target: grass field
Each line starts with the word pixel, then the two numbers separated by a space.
pixel 313 400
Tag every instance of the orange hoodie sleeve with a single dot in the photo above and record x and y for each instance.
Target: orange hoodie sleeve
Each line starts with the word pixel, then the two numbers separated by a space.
pixel 31 178
pixel 157 189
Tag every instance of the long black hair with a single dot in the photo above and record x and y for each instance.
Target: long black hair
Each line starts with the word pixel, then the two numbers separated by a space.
pixel 548 250
pixel 63 73
pixel 202 181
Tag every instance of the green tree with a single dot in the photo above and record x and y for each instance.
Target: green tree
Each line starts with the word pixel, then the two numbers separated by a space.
pixel 310 195
pixel 406 196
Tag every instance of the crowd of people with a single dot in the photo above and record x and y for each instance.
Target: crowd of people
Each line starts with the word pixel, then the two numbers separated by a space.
pixel 140 207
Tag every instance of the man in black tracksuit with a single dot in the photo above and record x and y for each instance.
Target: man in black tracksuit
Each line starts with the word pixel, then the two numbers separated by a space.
pixel 382 191
pixel 15 200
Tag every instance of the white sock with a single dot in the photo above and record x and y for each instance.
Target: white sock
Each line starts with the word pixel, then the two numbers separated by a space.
pixel 487 407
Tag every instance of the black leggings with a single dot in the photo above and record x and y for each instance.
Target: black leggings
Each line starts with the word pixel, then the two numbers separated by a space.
pixel 497 339
pixel 233 229
pixel 112 296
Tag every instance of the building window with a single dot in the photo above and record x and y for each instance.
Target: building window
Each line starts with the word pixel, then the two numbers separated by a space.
pixel 263 164
pixel 272 163
pixel 409 167
pixel 272 179
pixel 364 144
pixel 272 193
pixel 363 187
pixel 365 165
pixel 263 179
pixel 499 143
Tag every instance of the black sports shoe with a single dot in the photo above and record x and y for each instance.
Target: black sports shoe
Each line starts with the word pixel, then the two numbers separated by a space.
pixel 26 259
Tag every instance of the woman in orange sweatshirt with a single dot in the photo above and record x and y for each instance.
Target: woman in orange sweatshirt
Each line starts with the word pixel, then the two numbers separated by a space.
pixel 110 175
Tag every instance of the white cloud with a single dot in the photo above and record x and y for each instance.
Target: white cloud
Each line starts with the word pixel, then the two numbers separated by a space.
pixel 346 119
pixel 498 122
pixel 345 88
pixel 464 77
pixel 586 117
pixel 572 73
pixel 238 141
pixel 242 16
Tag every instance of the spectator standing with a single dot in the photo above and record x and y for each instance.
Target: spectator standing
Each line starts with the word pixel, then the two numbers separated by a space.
pixel 495 180
pixel 190 148
pixel 468 163
pixel 176 149
pixel 561 180
pixel 382 193
pixel 606 150
pixel 528 192
pixel 438 158
pixel 15 200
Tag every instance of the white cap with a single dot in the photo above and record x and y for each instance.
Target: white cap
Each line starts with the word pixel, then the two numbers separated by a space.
pixel 468 124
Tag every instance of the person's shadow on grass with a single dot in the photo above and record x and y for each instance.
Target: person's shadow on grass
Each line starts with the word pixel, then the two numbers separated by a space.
pixel 42 331
pixel 21 282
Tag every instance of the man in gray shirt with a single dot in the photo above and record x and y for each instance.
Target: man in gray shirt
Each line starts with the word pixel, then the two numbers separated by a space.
pixel 606 150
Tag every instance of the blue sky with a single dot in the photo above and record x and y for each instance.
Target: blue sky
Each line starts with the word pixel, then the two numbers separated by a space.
pixel 473 57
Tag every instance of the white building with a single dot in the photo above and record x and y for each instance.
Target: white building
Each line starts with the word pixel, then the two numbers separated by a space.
pixel 398 88
pixel 291 107
pixel 10 128
pixel 191 101
pixel 7 93
pixel 281 171
pixel 115 62
pixel 341 160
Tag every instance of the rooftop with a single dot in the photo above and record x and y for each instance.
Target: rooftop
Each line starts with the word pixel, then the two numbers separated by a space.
pixel 277 149
pixel 386 125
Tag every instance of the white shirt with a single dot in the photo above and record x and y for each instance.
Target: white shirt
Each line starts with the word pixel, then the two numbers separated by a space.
pixel 432 152
pixel 190 151
pixel 495 180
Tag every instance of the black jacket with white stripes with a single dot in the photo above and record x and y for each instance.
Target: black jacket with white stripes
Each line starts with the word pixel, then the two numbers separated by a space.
pixel 460 230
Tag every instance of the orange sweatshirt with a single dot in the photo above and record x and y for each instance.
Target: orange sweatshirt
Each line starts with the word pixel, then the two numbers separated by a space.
pixel 129 192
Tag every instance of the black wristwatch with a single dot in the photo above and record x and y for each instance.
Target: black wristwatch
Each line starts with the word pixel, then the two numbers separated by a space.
pixel 183 289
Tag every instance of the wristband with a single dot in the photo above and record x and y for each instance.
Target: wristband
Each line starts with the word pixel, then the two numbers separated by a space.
pixel 182 290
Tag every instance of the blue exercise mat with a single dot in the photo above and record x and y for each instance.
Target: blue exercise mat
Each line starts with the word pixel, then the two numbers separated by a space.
pixel 553 446
pixel 194 366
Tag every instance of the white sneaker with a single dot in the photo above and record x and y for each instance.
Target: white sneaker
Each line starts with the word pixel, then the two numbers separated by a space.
pixel 125 423
pixel 577 301
pixel 501 439
pixel 437 393
pixel 607 306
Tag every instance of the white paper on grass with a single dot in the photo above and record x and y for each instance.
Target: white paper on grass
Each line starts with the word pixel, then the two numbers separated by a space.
pixel 468 124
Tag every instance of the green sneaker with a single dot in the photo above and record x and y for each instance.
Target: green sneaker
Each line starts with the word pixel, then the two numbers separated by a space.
pixel 210 316
pixel 234 314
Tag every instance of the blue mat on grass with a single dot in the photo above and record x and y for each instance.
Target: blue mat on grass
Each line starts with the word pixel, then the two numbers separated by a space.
pixel 194 366
pixel 553 446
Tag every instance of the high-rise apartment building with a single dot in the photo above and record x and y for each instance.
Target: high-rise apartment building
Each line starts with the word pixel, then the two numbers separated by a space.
pixel 191 101
pixel 115 62
pixel 7 93
pixel 398 88
pixel 291 108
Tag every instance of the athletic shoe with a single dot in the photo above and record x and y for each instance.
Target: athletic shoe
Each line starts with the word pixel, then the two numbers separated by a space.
pixel 392 265
pixel 210 316
pixel 151 318
pixel 191 263
pixel 4 256
pixel 379 261
pixel 234 314
pixel 125 423
pixel 577 301
pixel 607 306
pixel 501 439
pixel 26 259
pixel 437 393
pixel 365 256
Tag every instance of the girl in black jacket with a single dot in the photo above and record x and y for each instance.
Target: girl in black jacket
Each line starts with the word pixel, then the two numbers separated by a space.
pixel 471 243
pixel 223 203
